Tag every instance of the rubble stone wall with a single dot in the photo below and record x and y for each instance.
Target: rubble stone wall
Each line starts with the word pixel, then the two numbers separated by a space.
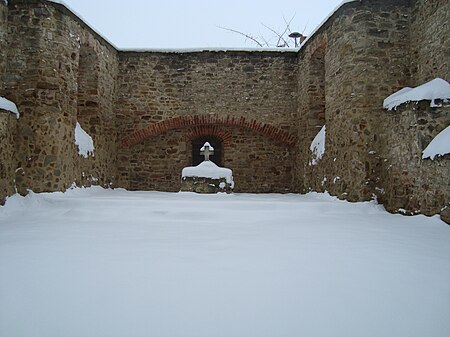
pixel 7 120
pixel 3 41
pixel 155 87
pixel 408 182
pixel 8 123
pixel 430 47
pixel 372 49
pixel 365 47
pixel 42 79
pixel 266 106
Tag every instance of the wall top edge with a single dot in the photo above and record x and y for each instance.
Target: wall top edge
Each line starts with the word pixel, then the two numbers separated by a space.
pixel 66 9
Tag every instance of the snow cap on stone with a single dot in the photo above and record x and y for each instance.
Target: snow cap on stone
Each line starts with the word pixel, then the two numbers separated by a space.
pixel 435 89
pixel 6 104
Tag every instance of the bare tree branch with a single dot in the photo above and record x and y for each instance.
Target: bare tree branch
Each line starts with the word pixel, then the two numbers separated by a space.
pixel 280 36
pixel 265 41
pixel 288 24
pixel 246 35
pixel 261 41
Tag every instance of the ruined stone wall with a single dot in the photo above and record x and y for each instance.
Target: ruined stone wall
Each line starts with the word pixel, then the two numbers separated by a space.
pixel 259 164
pixel 430 47
pixel 365 47
pixel 144 109
pixel 373 49
pixel 42 79
pixel 3 41
pixel 8 123
pixel 7 120
pixel 154 87
pixel 409 183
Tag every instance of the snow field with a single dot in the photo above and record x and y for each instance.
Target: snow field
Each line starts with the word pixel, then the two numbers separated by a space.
pixel 94 262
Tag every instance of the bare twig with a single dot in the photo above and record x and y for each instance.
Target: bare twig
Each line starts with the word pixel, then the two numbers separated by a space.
pixel 241 33
pixel 282 41
pixel 288 24
pixel 280 36
pixel 265 41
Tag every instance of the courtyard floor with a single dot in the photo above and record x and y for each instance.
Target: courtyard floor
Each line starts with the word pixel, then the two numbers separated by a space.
pixel 106 263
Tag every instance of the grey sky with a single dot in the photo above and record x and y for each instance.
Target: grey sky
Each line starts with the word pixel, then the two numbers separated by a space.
pixel 194 24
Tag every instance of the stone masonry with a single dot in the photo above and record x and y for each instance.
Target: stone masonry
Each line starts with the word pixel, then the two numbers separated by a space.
pixel 144 110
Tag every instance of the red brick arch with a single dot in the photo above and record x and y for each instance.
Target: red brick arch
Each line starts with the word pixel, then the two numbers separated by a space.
pixel 208 120
pixel 209 130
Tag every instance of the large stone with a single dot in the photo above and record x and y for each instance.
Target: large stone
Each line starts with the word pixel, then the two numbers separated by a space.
pixel 205 185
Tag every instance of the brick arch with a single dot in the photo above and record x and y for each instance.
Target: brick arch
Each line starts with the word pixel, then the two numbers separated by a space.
pixel 208 120
pixel 209 130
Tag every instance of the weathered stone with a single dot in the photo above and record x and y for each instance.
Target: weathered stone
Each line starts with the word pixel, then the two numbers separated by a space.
pixel 445 214
pixel 205 185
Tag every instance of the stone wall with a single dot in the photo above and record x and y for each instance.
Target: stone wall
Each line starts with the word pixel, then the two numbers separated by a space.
pixel 8 123
pixel 3 41
pixel 7 120
pixel 259 164
pixel 369 151
pixel 430 48
pixel 42 79
pixel 363 53
pixel 257 86
pixel 408 182
pixel 145 109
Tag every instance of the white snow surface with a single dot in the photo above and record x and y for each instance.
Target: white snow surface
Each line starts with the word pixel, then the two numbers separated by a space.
pixel 84 141
pixel 439 146
pixel 8 105
pixel 435 89
pixel 95 262
pixel 318 146
pixel 208 169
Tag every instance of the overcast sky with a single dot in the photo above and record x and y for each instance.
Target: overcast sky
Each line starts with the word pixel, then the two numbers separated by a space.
pixel 195 23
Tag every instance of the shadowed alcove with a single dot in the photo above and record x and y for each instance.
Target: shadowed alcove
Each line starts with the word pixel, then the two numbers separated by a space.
pixel 215 142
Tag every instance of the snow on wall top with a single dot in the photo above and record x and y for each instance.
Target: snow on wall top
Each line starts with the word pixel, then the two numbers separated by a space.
pixel 435 89
pixel 212 49
pixel 84 141
pixel 7 105
pixel 439 146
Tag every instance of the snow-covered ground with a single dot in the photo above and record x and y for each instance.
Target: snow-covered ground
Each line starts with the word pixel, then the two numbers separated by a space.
pixel 94 262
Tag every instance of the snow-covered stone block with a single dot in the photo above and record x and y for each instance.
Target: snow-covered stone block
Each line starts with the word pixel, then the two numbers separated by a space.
pixel 207 177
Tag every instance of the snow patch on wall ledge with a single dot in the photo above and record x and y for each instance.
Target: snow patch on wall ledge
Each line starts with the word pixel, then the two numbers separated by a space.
pixel 433 90
pixel 7 105
pixel 318 146
pixel 439 146
pixel 83 141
